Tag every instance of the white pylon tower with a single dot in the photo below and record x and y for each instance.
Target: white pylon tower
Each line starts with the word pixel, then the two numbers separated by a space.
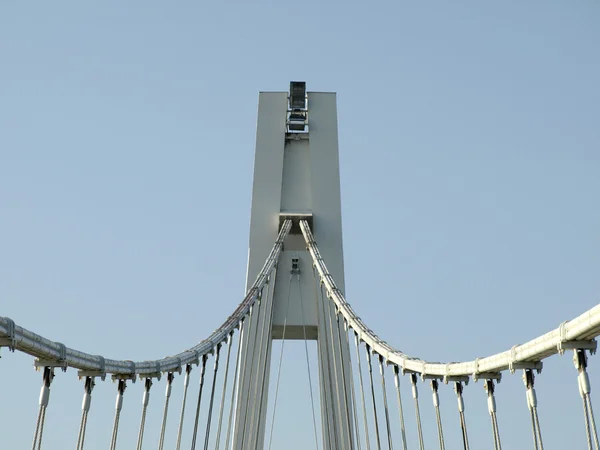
pixel 296 175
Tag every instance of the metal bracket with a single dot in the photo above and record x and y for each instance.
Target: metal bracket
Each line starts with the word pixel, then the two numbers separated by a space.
pixel 95 373
pixel 591 346
pixel 126 376
pixel 156 374
pixel 60 362
pixel 526 365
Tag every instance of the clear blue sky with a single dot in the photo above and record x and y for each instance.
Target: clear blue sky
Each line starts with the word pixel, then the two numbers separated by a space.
pixel 470 159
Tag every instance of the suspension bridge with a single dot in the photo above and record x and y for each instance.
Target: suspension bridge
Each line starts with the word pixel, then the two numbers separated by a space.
pixel 295 291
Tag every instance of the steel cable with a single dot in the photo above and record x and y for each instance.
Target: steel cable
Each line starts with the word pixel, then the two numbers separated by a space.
pixel 287 309
pixel 236 378
pixel 119 404
pixel 534 429
pixel 385 403
pixel 413 379
pixel 310 386
pixel 224 390
pixel 163 427
pixel 592 420
pixel 332 361
pixel 400 408
pixel 186 383
pixel 342 370
pixel 458 388
pixel 436 405
pixel 353 390
pixel 146 399
pixel 537 424
pixel 362 391
pixel 324 367
pixel 212 397
pixel 262 343
pixel 269 295
pixel 377 439
pixel 202 372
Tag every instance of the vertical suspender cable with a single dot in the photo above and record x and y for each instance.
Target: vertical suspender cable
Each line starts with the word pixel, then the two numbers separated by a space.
pixel 261 342
pixel 287 309
pixel 489 387
pixel 161 441
pixel 202 372
pixel 212 397
pixel 118 405
pixel 186 383
pixel 145 400
pixel 246 365
pixel 400 409
pixel 85 408
pixel 310 386
pixel 236 378
pixel 353 390
pixel 343 373
pixel 269 295
pixel 325 370
pixel 458 388
pixel 583 381
pixel 373 398
pixel 529 378
pixel 415 392
pixel 362 392
pixel 385 403
pixel 47 377
pixel 246 430
pixel 224 390
pixel 331 371
pixel 438 417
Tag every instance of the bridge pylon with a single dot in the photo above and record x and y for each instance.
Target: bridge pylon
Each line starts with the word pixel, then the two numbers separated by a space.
pixel 296 175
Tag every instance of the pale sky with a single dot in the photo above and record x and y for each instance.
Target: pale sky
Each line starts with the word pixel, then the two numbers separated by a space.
pixel 469 160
